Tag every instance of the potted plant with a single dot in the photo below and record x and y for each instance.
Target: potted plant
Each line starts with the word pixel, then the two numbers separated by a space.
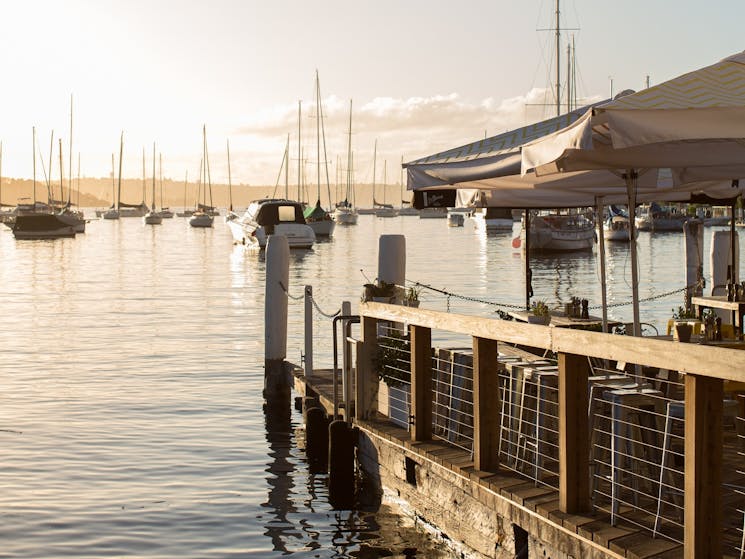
pixel 683 319
pixel 539 313
pixel 392 359
pixel 380 292
pixel 411 297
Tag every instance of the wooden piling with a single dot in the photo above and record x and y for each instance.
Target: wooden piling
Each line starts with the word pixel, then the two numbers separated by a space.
pixel 276 377
pixel 421 383
pixel 486 405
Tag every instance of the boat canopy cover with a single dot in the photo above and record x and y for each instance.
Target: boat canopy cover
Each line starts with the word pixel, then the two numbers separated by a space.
pixel 141 205
pixel 314 212
pixel 275 213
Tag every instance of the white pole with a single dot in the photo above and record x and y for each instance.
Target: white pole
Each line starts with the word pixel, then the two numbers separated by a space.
pixel 694 250
pixel 346 367
pixel 275 313
pixel 599 211
pixel 308 331
pixel 721 259
pixel 392 261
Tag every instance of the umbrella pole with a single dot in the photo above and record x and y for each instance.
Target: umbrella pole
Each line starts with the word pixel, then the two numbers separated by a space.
pixel 528 271
pixel 599 209
pixel 734 276
pixel 630 177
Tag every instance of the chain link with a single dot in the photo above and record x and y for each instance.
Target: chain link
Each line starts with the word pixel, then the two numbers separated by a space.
pixel 288 293
pixel 450 295
pixel 327 315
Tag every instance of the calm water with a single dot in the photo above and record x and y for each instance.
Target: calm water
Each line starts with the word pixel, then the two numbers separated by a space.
pixel 131 419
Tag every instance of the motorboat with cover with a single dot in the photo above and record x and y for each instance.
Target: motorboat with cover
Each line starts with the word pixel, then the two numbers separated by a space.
pixel 493 219
pixel 272 216
pixel 616 225
pixel 561 232
pixel 653 217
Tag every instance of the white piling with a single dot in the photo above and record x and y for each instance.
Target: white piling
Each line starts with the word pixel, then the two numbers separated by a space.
pixel 308 367
pixel 392 260
pixel 275 314
pixel 346 367
pixel 694 250
pixel 721 260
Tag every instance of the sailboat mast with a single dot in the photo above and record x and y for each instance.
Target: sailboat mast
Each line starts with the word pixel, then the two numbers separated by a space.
pixel 558 62
pixel 349 156
pixel 569 74
pixel 153 208
pixel 33 150
pixel 186 181
pixel 160 177
pixel 69 179
pixel 78 180
pixel 1 174
pixel 299 152
pixel 119 185
pixel 323 137
pixel 318 139
pixel 61 171
pixel 113 182
pixel 385 177
pixel 375 155
pixel 144 180
pixel 287 168
pixel 230 182
pixel 50 192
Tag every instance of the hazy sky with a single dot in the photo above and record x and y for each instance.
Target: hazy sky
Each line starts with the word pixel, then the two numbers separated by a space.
pixel 424 75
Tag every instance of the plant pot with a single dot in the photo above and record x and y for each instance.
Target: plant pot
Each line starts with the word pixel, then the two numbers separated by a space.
pixel 387 300
pixel 544 320
pixel 683 332
pixel 407 303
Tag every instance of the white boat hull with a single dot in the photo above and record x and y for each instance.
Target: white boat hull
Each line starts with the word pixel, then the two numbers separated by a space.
pixel 152 218
pixel 433 213
pixel 456 220
pixel 298 235
pixel 386 212
pixel 556 233
pixel 345 216
pixel 201 220
pixel 492 224
pixel 323 228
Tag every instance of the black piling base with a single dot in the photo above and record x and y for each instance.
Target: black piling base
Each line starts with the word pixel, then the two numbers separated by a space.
pixel 342 438
pixel 316 440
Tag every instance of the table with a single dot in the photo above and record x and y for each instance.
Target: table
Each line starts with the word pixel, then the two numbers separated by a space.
pixel 561 320
pixel 736 308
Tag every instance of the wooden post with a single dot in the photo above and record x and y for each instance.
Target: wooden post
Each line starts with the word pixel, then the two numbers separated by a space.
pixel 421 383
pixel 574 434
pixel 366 385
pixel 486 405
pixel 703 467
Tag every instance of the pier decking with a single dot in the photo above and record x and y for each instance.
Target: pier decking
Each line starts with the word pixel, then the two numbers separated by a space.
pixel 588 460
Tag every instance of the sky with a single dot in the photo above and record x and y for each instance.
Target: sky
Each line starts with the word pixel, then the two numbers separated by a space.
pixel 423 76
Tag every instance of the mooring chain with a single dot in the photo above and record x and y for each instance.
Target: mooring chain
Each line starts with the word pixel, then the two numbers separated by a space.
pixel 449 294
pixel 327 315
pixel 300 298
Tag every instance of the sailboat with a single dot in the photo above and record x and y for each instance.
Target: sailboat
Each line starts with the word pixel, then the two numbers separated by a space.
pixel 315 216
pixel 66 214
pixel 152 217
pixel 406 207
pixel 202 217
pixel 382 210
pixel 76 218
pixel 113 211
pixel 231 215
pixel 38 221
pixel 346 213
pixel 5 215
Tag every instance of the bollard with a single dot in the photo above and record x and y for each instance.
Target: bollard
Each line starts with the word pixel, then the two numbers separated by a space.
pixel 341 465
pixel 308 366
pixel 276 376
pixel 346 366
pixel 694 251
pixel 317 440
pixel 392 261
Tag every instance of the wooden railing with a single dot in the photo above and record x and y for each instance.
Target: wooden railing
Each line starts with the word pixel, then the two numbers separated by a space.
pixel 705 367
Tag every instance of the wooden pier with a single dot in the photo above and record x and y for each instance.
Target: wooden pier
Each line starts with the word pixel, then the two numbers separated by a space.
pixel 474 488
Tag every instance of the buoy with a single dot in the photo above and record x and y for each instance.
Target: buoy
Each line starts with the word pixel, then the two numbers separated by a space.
pixel 341 465
pixel 316 440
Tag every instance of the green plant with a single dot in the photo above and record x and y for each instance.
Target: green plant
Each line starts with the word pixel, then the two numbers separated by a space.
pixel 392 359
pixel 380 289
pixel 539 308
pixel 683 313
pixel 412 293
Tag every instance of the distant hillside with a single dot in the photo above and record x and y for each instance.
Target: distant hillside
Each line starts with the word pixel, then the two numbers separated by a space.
pixel 97 193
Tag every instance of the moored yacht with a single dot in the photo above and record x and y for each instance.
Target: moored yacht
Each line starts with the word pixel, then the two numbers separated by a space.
pixel 561 232
pixel 272 216
pixel 653 217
